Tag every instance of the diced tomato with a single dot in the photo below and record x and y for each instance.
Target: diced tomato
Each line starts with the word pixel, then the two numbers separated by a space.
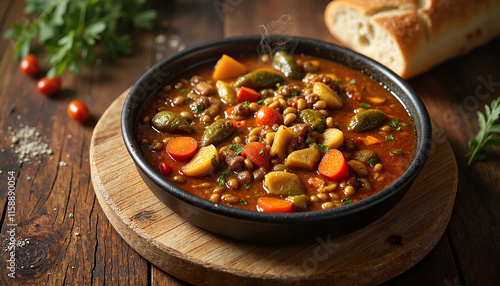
pixel 257 153
pixel 238 124
pixel 247 94
pixel 229 112
pixel 268 116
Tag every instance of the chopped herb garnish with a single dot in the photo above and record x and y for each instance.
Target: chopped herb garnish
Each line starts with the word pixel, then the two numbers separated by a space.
pixel 237 149
pixel 246 103
pixel 71 215
pixel 198 128
pixel 365 105
pixel 398 152
pixel 352 82
pixel 258 196
pixel 221 180
pixel 323 147
pixel 247 187
pixel 394 123
pixel 243 202
pixel 259 101
pixel 337 80
pixel 261 152
pixel 184 90
pixel 372 162
pixel 225 170
pixel 346 201
pixel 295 92
pixel 389 138
pixel 286 170
pixel 213 161
pixel 397 129
pixel 363 87
pixel 187 99
pixel 198 108
pixel 278 84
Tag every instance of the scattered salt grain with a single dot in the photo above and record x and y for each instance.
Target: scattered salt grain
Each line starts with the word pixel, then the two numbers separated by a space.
pixel 63 164
pixel 27 143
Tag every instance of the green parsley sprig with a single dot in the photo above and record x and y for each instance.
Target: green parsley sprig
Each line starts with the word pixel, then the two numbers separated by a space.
pixel 70 29
pixel 485 138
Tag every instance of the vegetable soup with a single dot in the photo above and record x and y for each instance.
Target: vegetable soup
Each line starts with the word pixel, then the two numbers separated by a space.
pixel 281 133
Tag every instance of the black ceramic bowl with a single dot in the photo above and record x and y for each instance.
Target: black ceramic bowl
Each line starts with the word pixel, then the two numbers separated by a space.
pixel 272 227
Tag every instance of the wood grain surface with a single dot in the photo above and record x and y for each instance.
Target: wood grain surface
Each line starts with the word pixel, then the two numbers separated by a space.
pixel 47 192
pixel 374 254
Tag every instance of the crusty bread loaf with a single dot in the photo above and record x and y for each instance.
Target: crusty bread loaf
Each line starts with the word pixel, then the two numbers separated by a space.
pixel 412 36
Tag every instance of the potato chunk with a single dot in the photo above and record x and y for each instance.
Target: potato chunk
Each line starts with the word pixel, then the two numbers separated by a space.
pixel 282 143
pixel 227 92
pixel 203 162
pixel 304 158
pixel 333 138
pixel 284 183
pixel 325 93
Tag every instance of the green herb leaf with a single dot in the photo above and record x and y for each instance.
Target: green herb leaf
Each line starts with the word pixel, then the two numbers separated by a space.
pixel 372 162
pixel 213 161
pixel 246 104
pixel 394 123
pixel 221 180
pixel 346 201
pixel 259 101
pixel 389 138
pixel 337 80
pixel 398 152
pixel 323 147
pixel 238 149
pixel 278 84
pixel 187 99
pixel 243 202
pixel 352 82
pixel 198 108
pixel 489 125
pixel 184 90
pixel 261 152
pixel 247 187
pixel 365 105
pixel 295 92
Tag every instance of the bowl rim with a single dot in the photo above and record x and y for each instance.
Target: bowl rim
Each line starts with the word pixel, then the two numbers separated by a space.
pixel 422 149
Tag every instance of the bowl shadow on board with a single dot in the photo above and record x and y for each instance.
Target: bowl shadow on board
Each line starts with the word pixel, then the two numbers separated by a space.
pixel 272 228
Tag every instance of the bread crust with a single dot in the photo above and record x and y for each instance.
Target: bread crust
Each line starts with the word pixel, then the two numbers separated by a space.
pixel 420 33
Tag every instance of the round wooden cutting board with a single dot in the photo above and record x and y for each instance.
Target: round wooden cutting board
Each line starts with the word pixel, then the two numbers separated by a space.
pixel 371 255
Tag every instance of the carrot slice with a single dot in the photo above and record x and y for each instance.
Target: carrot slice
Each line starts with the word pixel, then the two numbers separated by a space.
pixel 247 94
pixel 182 148
pixel 268 116
pixel 334 165
pixel 227 68
pixel 273 205
pixel 257 153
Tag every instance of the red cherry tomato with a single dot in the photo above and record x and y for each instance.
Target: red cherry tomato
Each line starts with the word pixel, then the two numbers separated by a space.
pixel 29 65
pixel 49 86
pixel 78 111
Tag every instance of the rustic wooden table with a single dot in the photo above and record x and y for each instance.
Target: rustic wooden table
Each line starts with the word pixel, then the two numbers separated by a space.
pixel 55 248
